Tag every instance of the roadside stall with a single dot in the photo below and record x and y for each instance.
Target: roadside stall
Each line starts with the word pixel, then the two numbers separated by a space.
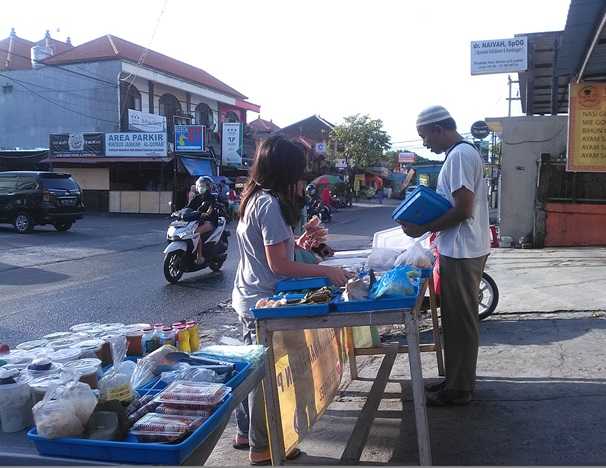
pixel 116 393
pixel 306 328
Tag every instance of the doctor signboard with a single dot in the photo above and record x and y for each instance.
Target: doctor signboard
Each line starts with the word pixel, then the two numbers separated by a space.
pixel 135 145
pixel 499 56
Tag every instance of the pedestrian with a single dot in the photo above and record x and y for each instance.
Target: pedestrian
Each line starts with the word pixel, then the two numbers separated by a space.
pixel 268 213
pixel 464 245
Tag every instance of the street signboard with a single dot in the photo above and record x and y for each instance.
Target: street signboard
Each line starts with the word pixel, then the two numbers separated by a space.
pixel 189 138
pixel 406 157
pixel 139 144
pixel 587 128
pixel 499 56
pixel 75 144
pixel 232 143
pixel 145 122
pixel 321 148
pixel 480 130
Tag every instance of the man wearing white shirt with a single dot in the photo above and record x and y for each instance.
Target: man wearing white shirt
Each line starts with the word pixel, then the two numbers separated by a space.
pixel 464 244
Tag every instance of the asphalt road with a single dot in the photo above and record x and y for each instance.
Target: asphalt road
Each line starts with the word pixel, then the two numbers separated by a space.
pixel 109 269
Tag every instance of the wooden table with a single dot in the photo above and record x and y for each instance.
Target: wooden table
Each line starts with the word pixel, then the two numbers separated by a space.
pixel 16 448
pixel 267 327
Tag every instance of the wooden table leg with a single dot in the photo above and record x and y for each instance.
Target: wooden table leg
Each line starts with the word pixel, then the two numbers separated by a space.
pixel 351 353
pixel 418 390
pixel 270 392
pixel 437 332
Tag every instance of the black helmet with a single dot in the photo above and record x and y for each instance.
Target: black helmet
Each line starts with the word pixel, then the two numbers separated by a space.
pixel 311 190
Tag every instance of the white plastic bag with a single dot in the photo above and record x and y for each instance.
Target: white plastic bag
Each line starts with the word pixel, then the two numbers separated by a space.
pixel 116 385
pixel 416 255
pixel 382 259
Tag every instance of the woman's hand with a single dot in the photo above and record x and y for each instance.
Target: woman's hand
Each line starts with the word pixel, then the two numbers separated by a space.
pixel 338 276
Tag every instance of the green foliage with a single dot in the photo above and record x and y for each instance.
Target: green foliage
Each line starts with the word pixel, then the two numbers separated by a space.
pixel 361 141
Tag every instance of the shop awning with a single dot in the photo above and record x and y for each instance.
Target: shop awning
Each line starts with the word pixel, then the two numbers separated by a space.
pixel 198 167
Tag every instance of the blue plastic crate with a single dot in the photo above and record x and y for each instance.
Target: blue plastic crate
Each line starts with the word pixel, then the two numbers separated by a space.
pixel 130 450
pixel 300 284
pixel 241 371
pixel 422 206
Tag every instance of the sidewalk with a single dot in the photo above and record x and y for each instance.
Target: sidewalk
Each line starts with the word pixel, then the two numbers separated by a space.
pixel 540 397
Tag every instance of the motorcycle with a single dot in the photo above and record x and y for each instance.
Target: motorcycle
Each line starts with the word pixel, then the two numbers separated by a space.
pixel 315 207
pixel 181 252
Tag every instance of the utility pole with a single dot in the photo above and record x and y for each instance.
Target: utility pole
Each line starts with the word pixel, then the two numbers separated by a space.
pixel 510 82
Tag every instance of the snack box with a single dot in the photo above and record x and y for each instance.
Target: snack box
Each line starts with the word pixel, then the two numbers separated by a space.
pixel 131 450
pixel 422 206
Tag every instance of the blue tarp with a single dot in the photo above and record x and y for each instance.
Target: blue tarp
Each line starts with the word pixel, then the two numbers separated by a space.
pixel 198 167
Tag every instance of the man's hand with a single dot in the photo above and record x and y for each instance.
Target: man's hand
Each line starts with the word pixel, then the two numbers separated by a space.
pixel 413 230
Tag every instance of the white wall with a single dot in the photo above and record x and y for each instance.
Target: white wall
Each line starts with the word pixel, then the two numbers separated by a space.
pixel 524 139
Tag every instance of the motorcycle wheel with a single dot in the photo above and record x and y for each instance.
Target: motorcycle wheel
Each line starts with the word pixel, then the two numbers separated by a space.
pixel 215 265
pixel 489 296
pixel 172 266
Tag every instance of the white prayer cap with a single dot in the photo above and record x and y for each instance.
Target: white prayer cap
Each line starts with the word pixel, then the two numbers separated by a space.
pixel 431 115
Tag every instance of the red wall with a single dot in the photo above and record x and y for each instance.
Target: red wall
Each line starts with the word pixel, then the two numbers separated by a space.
pixel 575 224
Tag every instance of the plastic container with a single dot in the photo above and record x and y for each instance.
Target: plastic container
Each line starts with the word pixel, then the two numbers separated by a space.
pixel 300 310
pixel 90 348
pixel 63 356
pixel 193 393
pixel 131 451
pixel 18 358
pixel 42 367
pixel 84 327
pixel 168 336
pixel 57 336
pixel 40 385
pixel 15 402
pixel 194 335
pixel 164 427
pixel 68 342
pixel 29 345
pixel 89 370
pixel 105 353
pixel 134 343
pixel 149 342
pixel 183 338
pixel 422 206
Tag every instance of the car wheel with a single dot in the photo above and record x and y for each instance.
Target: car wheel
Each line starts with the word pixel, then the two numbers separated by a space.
pixel 23 223
pixel 61 227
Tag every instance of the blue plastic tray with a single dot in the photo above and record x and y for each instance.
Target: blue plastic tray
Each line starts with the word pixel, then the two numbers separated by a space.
pixel 422 206
pixel 241 371
pixel 299 284
pixel 387 303
pixel 306 310
pixel 130 451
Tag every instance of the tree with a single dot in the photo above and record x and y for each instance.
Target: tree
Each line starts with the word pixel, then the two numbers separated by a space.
pixel 360 140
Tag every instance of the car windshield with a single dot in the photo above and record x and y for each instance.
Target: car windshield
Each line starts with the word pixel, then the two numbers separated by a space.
pixel 8 184
pixel 59 183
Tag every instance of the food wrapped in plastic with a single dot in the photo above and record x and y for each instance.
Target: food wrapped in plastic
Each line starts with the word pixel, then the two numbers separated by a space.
pixel 147 368
pixel 417 256
pixel 164 428
pixel 116 385
pixel 249 353
pixel 382 259
pixel 400 281
pixel 148 407
pixel 191 374
pixel 185 410
pixel 194 393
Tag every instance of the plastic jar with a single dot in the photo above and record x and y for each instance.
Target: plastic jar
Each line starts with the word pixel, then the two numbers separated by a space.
pixel 88 369
pixel 18 358
pixel 29 345
pixel 168 336
pixel 42 367
pixel 134 343
pixel 183 338
pixel 90 348
pixel 15 402
pixel 57 336
pixel 148 342
pixel 84 327
pixel 67 342
pixel 194 336
pixel 65 355
pixel 40 385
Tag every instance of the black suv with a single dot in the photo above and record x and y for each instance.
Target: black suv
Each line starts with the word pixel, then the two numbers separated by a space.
pixel 30 198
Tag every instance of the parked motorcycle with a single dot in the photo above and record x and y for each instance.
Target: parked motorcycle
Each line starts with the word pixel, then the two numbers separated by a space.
pixel 181 252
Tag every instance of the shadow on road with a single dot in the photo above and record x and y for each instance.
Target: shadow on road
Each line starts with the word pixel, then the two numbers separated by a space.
pixel 29 276
pixel 204 279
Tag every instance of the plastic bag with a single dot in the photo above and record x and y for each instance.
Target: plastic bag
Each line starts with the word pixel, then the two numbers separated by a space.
pixel 147 368
pixel 82 398
pixel 401 281
pixel 191 374
pixel 250 353
pixel 417 256
pixel 116 385
pixel 382 259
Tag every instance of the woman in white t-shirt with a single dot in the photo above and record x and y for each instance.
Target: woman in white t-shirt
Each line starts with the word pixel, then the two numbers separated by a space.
pixel 266 243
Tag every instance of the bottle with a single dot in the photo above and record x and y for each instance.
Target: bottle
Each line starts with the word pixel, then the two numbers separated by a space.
pixel 147 341
pixel 167 337
pixel 183 343
pixel 194 336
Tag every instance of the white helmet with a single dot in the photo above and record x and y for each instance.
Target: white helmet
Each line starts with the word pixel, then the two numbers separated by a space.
pixel 203 184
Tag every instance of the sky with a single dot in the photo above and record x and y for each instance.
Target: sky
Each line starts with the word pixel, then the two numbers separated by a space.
pixel 296 58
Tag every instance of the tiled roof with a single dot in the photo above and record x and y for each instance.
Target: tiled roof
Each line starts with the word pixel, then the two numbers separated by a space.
pixel 15 53
pixel 111 47
pixel 261 125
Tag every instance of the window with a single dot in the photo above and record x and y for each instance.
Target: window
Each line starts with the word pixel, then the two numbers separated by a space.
pixel 133 99
pixel 231 116
pixel 8 184
pixel 27 183
pixel 204 116
pixel 59 183
pixel 169 105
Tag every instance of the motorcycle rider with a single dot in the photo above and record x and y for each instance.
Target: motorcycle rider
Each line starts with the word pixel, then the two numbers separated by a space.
pixel 206 203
